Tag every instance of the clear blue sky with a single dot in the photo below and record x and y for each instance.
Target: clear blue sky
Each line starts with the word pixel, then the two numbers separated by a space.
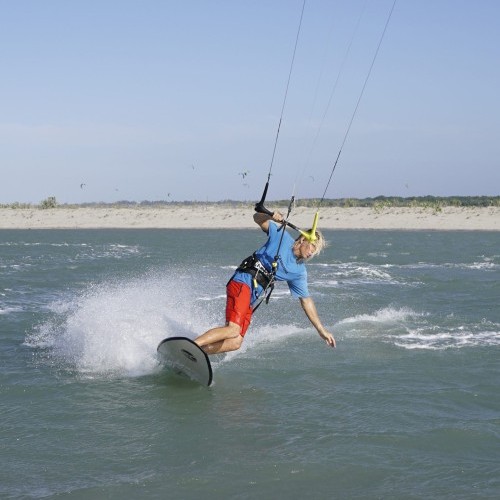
pixel 175 100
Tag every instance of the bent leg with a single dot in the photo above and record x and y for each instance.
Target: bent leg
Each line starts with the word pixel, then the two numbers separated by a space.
pixel 232 344
pixel 221 339
pixel 238 317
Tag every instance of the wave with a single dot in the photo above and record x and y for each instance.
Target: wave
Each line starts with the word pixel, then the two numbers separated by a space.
pixel 453 338
pixel 409 329
pixel 385 315
pixel 353 273
pixel 8 310
pixel 486 265
pixel 262 337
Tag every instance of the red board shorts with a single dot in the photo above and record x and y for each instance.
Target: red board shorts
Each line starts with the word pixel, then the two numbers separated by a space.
pixel 238 309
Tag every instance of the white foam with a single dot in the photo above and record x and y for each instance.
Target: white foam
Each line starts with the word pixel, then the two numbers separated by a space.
pixel 440 339
pixel 114 328
pixel 262 337
pixel 409 329
pixel 8 310
pixel 328 275
pixel 385 315
pixel 210 298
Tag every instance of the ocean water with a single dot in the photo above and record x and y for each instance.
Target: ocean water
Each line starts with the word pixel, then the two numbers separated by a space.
pixel 407 406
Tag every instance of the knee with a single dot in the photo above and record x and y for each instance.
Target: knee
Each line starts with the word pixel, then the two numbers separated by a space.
pixel 234 343
pixel 238 341
pixel 234 329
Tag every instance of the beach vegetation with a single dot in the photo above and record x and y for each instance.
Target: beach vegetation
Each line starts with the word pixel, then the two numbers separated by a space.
pixel 350 203
pixel 16 205
pixel 49 202
pixel 378 203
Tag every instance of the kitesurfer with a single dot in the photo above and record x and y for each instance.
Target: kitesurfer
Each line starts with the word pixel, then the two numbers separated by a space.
pixel 255 276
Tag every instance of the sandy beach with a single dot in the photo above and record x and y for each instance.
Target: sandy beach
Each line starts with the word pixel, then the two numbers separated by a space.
pixel 217 216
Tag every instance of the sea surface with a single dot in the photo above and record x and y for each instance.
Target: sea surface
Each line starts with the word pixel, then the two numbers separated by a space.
pixel 406 407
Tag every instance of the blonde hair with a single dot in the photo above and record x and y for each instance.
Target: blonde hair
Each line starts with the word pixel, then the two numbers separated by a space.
pixel 320 243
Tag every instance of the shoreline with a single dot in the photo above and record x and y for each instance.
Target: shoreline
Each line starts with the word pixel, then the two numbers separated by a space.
pixel 220 217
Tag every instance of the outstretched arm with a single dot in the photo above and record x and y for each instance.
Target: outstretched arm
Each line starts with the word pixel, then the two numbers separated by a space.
pixel 309 307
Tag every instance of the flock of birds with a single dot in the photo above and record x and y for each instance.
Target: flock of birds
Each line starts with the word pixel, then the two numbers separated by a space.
pixel 244 174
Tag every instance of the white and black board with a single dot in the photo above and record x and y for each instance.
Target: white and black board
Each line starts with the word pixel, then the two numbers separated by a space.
pixel 186 358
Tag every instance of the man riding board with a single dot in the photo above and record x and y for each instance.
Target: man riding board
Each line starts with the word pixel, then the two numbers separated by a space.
pixel 281 258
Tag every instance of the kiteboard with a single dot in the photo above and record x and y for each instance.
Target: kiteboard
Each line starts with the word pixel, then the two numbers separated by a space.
pixel 185 358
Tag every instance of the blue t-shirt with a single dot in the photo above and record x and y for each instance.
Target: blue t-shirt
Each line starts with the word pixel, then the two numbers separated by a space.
pixel 289 270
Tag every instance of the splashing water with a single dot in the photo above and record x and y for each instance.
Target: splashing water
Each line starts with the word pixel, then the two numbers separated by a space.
pixel 114 328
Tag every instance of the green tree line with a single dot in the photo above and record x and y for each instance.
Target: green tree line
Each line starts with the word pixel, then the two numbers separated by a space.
pixel 379 202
